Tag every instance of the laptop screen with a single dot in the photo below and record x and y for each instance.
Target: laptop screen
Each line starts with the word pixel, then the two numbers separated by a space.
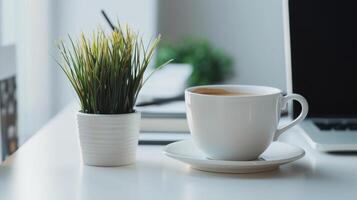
pixel 324 56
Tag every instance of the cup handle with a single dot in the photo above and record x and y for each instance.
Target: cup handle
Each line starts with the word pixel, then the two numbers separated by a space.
pixel 304 110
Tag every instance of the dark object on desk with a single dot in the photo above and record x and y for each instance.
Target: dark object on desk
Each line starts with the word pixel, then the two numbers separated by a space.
pixel 157 138
pixel 323 57
pixel 159 101
pixel 108 20
pixel 8 102
pixel 8 116
pixel 328 126
pixel 156 142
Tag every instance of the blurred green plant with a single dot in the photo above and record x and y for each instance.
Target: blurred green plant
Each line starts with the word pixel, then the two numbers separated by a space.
pixel 210 65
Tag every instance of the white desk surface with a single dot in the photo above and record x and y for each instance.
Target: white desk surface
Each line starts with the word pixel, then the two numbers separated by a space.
pixel 49 167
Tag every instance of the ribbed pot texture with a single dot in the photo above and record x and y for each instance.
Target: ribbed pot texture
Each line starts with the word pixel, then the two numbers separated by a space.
pixel 108 140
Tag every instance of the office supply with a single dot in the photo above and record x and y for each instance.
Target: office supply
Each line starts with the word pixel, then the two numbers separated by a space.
pixel 323 46
pixel 108 20
pixel 161 138
pixel 164 124
pixel 170 117
pixel 166 83
pixel 159 100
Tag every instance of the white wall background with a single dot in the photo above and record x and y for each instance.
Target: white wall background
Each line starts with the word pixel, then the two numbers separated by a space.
pixel 7 22
pixel 250 30
pixel 33 34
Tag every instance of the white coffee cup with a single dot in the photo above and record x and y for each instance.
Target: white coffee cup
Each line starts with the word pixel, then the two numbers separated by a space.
pixel 237 127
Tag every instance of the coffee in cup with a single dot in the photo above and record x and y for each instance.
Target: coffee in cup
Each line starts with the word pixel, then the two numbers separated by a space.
pixel 237 122
pixel 218 91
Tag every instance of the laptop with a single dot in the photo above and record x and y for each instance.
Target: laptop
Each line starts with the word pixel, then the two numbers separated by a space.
pixel 321 49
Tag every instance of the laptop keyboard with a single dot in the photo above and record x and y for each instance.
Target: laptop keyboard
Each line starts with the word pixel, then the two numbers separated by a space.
pixel 339 126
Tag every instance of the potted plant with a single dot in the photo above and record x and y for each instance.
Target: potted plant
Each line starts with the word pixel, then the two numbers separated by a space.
pixel 106 72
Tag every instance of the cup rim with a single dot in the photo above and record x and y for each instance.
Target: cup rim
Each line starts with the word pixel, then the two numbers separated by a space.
pixel 274 91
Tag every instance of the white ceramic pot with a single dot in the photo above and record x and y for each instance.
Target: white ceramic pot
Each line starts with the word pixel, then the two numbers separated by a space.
pixel 108 140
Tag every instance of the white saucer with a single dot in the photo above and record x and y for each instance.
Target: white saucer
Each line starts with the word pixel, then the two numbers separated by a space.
pixel 277 154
